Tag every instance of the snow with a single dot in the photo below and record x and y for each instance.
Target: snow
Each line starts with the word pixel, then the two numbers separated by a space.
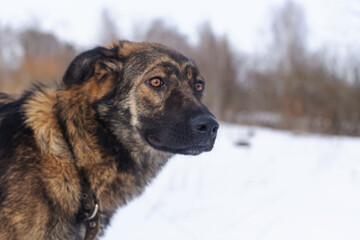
pixel 281 186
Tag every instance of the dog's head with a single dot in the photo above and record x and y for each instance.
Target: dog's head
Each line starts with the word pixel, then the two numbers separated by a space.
pixel 148 95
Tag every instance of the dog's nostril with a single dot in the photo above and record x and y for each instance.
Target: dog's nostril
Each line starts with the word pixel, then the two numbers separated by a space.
pixel 215 129
pixel 201 128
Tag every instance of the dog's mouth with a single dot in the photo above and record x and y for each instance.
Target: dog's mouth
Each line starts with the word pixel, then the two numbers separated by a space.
pixel 154 141
pixel 194 149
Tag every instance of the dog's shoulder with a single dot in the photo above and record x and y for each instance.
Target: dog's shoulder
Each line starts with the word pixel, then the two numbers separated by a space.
pixel 30 116
pixel 11 115
pixel 13 131
pixel 5 98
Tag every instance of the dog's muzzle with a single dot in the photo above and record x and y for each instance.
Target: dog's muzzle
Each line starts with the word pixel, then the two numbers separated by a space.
pixel 190 137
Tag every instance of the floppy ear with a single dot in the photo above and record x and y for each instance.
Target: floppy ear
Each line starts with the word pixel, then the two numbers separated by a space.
pixel 96 62
pixel 100 61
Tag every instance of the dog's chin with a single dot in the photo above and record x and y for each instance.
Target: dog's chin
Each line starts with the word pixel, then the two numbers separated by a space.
pixel 194 149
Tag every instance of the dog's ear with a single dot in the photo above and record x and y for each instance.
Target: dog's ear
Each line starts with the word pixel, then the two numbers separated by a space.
pixel 96 62
pixel 100 61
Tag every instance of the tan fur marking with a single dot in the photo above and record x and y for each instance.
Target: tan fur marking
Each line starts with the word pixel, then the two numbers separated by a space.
pixel 40 117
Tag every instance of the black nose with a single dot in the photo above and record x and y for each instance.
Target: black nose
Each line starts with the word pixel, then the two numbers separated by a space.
pixel 205 124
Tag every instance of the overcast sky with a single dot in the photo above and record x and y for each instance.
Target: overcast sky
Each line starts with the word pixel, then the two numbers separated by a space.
pixel 333 23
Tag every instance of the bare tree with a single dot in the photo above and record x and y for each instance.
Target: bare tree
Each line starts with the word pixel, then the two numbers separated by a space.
pixel 160 32
pixel 289 35
pixel 109 32
pixel 289 47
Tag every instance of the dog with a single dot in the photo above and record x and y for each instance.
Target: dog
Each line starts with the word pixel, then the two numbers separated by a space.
pixel 71 155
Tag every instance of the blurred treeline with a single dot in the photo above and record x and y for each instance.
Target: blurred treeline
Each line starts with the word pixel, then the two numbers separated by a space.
pixel 287 86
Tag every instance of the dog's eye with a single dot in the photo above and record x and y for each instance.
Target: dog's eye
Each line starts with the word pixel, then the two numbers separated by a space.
pixel 156 82
pixel 199 87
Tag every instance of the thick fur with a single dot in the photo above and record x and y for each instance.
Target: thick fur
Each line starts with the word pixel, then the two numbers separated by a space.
pixel 105 123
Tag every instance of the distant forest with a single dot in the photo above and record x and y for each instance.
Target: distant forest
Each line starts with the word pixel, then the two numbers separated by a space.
pixel 288 86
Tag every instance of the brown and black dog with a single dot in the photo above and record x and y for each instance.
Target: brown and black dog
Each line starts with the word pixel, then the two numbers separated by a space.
pixel 71 155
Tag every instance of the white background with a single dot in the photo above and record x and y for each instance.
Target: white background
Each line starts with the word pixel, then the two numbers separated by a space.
pixel 331 23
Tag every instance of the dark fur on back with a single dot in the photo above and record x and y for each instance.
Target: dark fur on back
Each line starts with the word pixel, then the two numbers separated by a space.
pixel 108 124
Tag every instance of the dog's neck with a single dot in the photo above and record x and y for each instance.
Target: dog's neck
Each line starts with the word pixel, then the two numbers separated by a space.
pixel 101 154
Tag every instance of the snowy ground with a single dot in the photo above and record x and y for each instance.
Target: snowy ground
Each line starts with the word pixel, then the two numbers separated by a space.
pixel 283 186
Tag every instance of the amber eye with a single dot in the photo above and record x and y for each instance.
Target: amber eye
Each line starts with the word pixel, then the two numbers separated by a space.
pixel 199 87
pixel 156 82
